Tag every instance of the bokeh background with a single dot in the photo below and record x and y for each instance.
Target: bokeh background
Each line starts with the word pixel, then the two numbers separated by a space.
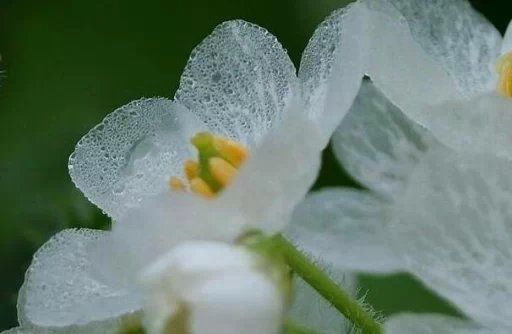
pixel 67 63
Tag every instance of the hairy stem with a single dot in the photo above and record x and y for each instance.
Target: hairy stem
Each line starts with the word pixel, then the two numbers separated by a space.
pixel 327 288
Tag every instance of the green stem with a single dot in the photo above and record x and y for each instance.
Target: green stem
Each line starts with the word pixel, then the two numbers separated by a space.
pixel 327 288
pixel 292 328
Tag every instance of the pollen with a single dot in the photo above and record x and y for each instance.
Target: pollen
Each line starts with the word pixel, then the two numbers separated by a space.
pixel 504 69
pixel 222 171
pixel 235 153
pixel 176 184
pixel 217 165
pixel 191 169
pixel 200 187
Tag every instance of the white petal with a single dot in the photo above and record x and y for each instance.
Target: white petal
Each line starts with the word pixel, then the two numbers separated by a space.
pixel 453 227
pixel 161 223
pixel 18 330
pixel 480 125
pixel 332 66
pixel 193 271
pixel 401 69
pixel 276 177
pixel 239 81
pixel 197 260
pixel 454 36
pixel 507 40
pixel 234 303
pixel 346 229
pixel 313 311
pixel 60 291
pixel 432 324
pixel 132 153
pixel 377 144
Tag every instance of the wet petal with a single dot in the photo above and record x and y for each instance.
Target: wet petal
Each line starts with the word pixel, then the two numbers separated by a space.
pixel 432 323
pixel 479 125
pixel 453 227
pixel 346 229
pixel 158 225
pixel 408 76
pixel 454 36
pixel 239 81
pixel 507 40
pixel 18 330
pixel 276 177
pixel 377 144
pixel 332 66
pixel 62 293
pixel 133 153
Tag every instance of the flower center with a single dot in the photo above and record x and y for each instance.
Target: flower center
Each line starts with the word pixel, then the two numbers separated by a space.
pixel 218 162
pixel 504 68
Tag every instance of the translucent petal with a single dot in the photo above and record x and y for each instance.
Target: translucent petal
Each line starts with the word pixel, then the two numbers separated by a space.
pixel 158 225
pixel 480 125
pixel 453 227
pixel 455 36
pixel 277 176
pixel 196 260
pixel 233 303
pixel 239 81
pixel 132 153
pixel 18 330
pixel 507 40
pixel 61 292
pixel 377 144
pixel 313 311
pixel 432 324
pixel 401 69
pixel 332 66
pixel 346 229
pixel 183 278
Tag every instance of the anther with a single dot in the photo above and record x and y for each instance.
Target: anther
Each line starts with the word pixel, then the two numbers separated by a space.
pixel 222 171
pixel 176 184
pixel 200 187
pixel 191 169
pixel 504 69
pixel 235 153
pixel 216 167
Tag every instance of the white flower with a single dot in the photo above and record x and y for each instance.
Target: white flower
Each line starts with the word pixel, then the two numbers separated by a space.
pixel 441 215
pixel 437 205
pixel 212 287
pixel 445 67
pixel 240 102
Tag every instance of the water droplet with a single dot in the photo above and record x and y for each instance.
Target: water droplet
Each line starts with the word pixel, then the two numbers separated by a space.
pixel 216 77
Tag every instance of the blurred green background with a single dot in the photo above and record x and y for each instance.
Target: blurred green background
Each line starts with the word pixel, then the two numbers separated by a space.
pixel 67 63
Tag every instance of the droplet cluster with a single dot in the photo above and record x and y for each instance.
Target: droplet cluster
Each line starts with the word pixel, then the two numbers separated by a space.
pixel 318 60
pixel 60 288
pixel 238 81
pixel 132 153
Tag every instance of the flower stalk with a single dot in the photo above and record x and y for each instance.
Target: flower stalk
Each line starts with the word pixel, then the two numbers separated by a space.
pixel 327 288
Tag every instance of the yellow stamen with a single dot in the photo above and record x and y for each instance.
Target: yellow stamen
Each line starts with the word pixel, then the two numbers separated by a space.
pixel 216 167
pixel 235 153
pixel 200 187
pixel 191 169
pixel 222 171
pixel 176 184
pixel 504 69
